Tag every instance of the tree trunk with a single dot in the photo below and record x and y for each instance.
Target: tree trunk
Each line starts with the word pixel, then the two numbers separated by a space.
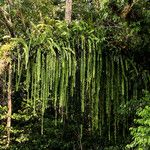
pixel 68 11
pixel 9 103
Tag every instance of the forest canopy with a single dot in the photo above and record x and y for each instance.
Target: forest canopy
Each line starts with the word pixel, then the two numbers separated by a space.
pixel 74 74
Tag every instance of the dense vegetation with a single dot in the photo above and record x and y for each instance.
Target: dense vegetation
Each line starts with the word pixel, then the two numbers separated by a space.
pixel 83 85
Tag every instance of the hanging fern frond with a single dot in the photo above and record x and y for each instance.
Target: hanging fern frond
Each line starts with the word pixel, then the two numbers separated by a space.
pixel 67 67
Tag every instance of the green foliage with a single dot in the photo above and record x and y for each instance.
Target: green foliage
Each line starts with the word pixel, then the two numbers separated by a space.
pixel 3 116
pixel 141 132
pixel 76 86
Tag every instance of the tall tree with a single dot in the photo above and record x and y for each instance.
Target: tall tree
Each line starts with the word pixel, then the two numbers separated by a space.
pixel 9 103
pixel 68 11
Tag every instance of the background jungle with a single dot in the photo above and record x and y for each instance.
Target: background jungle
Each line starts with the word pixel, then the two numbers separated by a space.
pixel 82 85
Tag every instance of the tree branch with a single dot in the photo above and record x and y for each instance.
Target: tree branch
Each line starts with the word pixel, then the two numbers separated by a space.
pixel 8 21
pixel 126 10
